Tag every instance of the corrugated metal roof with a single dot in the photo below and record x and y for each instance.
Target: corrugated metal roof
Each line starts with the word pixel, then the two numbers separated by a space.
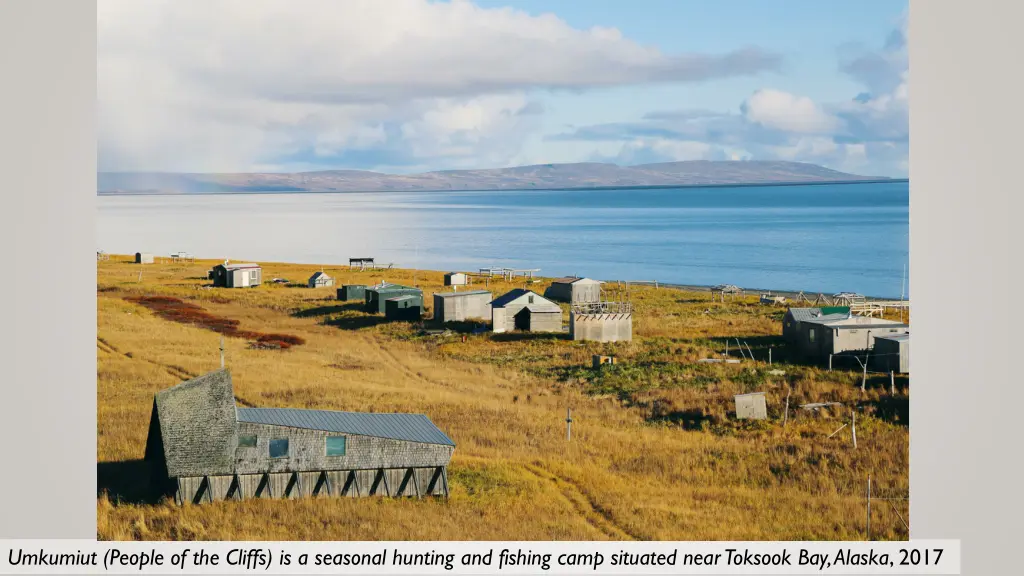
pixel 815 315
pixel 508 297
pixel 239 266
pixel 898 337
pixel 540 304
pixel 403 298
pixel 408 427
pixel 453 294
pixel 573 280
pixel 318 274
pixel 866 326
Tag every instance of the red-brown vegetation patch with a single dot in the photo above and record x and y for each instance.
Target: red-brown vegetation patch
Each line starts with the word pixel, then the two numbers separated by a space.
pixel 177 310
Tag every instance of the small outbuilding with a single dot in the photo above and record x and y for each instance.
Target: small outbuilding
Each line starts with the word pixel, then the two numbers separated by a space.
pixel 456 279
pixel 891 353
pixel 352 292
pixel 377 295
pixel 201 447
pixel 601 322
pixel 143 258
pixel 525 310
pixel 574 290
pixel 320 280
pixel 751 406
pixel 236 275
pixel 462 306
pixel 408 307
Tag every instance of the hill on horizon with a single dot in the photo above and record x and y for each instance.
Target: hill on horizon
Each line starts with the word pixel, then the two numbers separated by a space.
pixel 538 176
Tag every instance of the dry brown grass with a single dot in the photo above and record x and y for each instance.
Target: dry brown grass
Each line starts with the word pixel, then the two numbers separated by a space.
pixel 655 453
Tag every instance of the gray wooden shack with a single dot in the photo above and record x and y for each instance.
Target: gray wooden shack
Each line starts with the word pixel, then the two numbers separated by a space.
pixel 143 258
pixel 574 290
pixel 456 279
pixel 320 280
pixel 352 292
pixel 751 406
pixel 377 295
pixel 526 310
pixel 462 306
pixel 891 353
pixel 202 447
pixel 237 275
pixel 407 307
pixel 601 322
pixel 793 328
pixel 818 338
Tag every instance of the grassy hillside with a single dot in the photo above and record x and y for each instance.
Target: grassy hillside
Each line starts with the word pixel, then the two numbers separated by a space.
pixel 655 450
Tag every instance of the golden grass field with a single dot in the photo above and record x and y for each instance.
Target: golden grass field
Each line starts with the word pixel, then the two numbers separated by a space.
pixel 655 453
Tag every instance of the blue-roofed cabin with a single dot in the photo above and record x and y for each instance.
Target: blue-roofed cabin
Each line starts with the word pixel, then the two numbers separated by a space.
pixel 202 447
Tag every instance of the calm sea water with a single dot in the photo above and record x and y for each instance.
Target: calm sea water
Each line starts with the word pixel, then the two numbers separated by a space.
pixel 828 238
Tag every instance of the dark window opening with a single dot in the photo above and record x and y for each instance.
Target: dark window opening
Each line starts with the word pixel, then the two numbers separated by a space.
pixel 246 441
pixel 279 448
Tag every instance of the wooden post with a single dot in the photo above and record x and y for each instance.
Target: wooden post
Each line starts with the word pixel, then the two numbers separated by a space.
pixel 222 352
pixel 568 424
pixel 785 415
pixel 868 523
pixel 769 355
pixel 864 379
pixel 853 427
pixel 892 382
pixel 829 362
pixel 741 349
pixel 727 347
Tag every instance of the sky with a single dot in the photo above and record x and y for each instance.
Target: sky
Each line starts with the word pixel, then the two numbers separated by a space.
pixel 405 86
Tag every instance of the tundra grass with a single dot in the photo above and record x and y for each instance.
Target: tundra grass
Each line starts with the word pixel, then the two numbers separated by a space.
pixel 656 452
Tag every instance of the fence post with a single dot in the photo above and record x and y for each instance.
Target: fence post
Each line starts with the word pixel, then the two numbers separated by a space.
pixel 868 523
pixel 769 355
pixel 829 362
pixel 892 382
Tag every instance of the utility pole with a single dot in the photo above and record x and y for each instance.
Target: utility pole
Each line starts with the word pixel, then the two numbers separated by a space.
pixel 568 424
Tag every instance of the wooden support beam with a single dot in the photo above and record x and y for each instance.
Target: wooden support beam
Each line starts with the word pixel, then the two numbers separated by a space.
pixel 355 480
pixel 444 480
pixel 433 480
pixel 387 486
pixel 179 496
pixel 416 482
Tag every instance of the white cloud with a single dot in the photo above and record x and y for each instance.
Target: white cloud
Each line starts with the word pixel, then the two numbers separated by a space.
pixel 228 84
pixel 787 112
pixel 868 134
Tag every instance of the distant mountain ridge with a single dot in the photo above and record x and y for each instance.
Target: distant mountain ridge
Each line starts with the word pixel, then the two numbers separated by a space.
pixel 540 177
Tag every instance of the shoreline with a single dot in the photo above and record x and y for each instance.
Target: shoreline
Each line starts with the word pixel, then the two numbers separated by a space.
pixel 540 189
pixel 789 294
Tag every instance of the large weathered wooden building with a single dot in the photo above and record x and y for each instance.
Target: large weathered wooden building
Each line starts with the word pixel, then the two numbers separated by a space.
pixel 462 306
pixel 525 310
pixel 574 290
pixel 202 447
pixel 143 258
pixel 236 275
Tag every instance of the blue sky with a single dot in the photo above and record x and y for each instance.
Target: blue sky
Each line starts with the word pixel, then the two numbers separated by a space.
pixel 411 85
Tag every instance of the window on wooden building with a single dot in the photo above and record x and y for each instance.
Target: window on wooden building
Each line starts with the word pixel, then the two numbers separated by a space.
pixel 810 334
pixel 335 446
pixel 246 441
pixel 279 448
